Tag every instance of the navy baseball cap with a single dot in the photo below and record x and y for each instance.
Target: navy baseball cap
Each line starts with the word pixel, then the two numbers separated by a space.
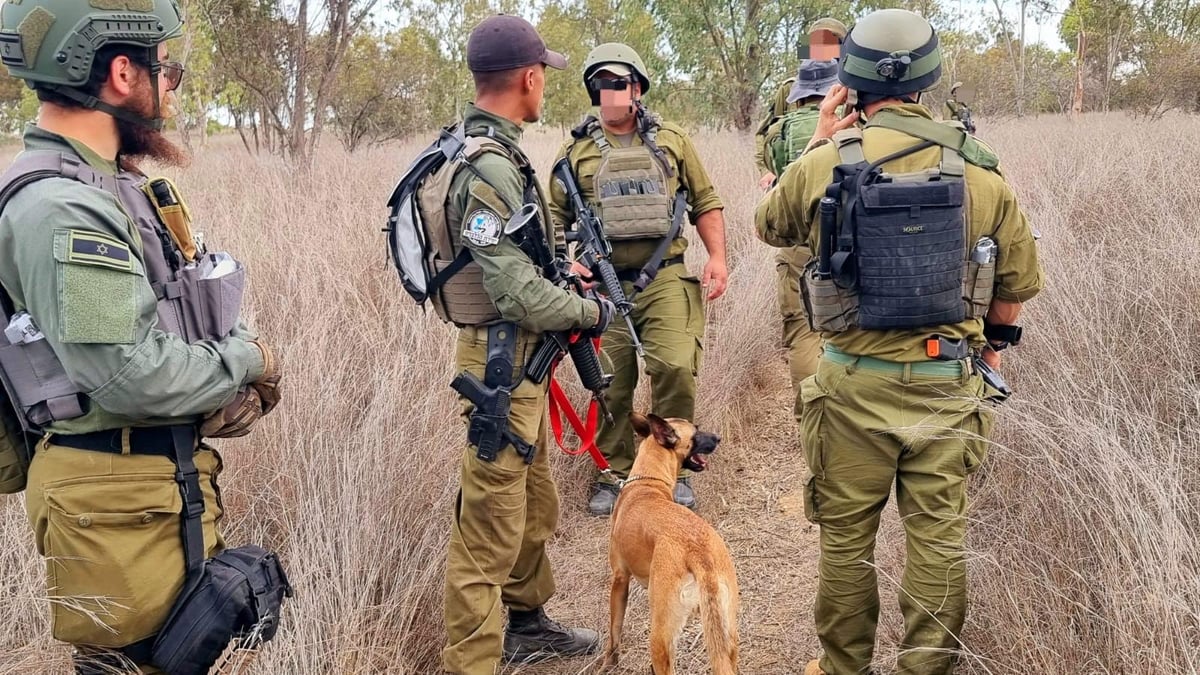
pixel 504 42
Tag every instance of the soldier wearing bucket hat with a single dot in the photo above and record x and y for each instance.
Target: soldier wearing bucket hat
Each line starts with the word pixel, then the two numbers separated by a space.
pixel 506 508
pixel 783 135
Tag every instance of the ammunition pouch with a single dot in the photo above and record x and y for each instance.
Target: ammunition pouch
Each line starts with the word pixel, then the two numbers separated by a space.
pixel 41 390
pixel 979 286
pixel 199 305
pixel 830 308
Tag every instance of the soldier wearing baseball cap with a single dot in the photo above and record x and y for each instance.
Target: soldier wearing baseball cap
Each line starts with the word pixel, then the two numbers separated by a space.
pixel 506 508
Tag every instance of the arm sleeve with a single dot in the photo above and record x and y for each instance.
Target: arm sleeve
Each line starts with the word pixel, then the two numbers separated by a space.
pixel 702 194
pixel 1019 274
pixel 781 218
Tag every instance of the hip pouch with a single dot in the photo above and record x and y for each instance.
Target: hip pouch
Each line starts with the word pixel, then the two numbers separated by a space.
pixel 234 596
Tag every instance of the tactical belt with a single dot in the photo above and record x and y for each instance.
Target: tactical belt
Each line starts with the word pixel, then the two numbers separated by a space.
pixel 142 440
pixel 947 369
pixel 633 274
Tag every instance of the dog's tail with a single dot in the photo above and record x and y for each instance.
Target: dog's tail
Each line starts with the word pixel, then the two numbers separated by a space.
pixel 718 613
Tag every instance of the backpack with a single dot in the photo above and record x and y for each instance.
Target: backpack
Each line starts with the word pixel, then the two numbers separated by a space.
pixel 789 135
pixel 432 268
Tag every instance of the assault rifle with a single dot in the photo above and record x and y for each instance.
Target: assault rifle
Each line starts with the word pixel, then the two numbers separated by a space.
pixel 964 116
pixel 596 249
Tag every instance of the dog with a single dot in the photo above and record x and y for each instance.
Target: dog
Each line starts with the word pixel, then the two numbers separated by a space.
pixel 671 550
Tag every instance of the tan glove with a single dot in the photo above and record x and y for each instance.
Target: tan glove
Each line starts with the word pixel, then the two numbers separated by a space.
pixel 236 418
pixel 267 386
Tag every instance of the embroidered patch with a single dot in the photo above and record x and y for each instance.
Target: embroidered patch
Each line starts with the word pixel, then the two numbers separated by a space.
pixel 96 249
pixel 482 228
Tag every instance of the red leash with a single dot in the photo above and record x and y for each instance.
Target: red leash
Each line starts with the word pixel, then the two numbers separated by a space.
pixel 560 405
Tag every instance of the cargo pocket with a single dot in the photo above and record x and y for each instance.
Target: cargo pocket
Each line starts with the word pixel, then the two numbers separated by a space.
pixel 98 281
pixel 114 562
pixel 491 513
pixel 694 294
pixel 812 400
pixel 978 438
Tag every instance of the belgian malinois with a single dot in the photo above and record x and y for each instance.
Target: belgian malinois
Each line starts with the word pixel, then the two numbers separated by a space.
pixel 671 550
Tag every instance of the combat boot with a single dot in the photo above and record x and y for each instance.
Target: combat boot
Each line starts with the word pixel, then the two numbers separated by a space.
pixel 532 636
pixel 684 495
pixel 604 498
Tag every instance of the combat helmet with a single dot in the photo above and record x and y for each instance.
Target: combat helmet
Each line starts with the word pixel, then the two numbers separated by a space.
pixel 891 52
pixel 611 54
pixel 53 43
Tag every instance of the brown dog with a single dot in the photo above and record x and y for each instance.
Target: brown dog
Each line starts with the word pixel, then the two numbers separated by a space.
pixel 673 551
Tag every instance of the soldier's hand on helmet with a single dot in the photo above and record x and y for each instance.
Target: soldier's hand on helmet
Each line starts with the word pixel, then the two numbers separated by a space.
pixel 765 182
pixel 236 418
pixel 584 274
pixel 829 123
pixel 267 385
pixel 716 278
pixel 608 311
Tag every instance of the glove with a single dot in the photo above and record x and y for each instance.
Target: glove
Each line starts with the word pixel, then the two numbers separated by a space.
pixel 267 386
pixel 236 418
pixel 607 311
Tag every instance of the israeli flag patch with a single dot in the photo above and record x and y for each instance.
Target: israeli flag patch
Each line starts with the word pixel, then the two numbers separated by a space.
pixel 482 228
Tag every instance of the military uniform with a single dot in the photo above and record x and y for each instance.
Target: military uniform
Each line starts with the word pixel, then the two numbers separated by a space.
pixel 880 413
pixel 801 342
pixel 109 522
pixel 669 313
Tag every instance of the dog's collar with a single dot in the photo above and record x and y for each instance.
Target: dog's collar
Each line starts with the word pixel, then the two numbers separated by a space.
pixel 629 480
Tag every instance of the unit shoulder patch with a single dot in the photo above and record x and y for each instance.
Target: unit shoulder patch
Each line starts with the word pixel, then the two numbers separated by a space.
pixel 482 227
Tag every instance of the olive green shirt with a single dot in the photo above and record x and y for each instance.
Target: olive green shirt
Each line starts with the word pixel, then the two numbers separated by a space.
pixel 689 173
pixel 102 322
pixel 777 107
pixel 787 216
pixel 513 282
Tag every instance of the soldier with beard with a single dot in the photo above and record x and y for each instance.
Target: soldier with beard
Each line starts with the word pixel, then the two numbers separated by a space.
pixel 102 261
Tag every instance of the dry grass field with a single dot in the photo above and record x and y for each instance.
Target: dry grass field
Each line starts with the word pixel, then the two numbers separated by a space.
pixel 1085 522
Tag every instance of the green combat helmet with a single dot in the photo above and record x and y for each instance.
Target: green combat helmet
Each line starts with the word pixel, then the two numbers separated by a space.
pixel 891 52
pixel 52 43
pixel 611 54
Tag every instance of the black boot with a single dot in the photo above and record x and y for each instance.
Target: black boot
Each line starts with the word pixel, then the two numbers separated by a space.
pixel 532 636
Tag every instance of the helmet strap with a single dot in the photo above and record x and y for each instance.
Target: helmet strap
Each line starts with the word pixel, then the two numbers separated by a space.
pixel 94 103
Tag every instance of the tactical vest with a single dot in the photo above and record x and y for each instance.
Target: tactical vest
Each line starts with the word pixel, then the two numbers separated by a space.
pixel 898 256
pixel 631 188
pixel 789 135
pixel 195 299
pixel 462 298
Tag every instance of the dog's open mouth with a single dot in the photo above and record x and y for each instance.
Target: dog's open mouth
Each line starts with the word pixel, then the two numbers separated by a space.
pixel 695 462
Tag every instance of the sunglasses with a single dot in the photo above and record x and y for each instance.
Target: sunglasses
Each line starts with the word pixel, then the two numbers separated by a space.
pixel 173 71
pixel 612 85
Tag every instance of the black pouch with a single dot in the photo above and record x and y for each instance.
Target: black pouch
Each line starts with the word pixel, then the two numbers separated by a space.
pixel 233 599
pixel 238 597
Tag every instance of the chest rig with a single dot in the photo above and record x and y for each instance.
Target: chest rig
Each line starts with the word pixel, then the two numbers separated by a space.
pixel 893 248
pixel 196 299
pixel 631 187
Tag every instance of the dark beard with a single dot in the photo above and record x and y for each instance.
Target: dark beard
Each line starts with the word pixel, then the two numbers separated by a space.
pixel 140 142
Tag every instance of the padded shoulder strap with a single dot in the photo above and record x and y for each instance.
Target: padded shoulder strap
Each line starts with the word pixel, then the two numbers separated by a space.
pixel 849 146
pixel 34 165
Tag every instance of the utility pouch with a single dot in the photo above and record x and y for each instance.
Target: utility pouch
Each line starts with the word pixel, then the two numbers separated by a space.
pixel 979 282
pixel 209 296
pixel 174 214
pixel 41 391
pixel 830 308
pixel 15 449
pixel 236 595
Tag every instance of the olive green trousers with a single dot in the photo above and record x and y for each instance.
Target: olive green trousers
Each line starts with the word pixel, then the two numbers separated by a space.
pixel 505 512
pixel 802 344
pixel 108 526
pixel 669 319
pixel 866 430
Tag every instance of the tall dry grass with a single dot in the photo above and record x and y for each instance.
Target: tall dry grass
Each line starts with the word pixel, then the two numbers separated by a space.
pixel 1085 525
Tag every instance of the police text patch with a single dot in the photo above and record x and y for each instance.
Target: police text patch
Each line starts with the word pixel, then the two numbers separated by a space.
pixel 96 249
pixel 482 228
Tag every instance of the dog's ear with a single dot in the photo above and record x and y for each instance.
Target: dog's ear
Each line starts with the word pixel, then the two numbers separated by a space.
pixel 641 425
pixel 663 432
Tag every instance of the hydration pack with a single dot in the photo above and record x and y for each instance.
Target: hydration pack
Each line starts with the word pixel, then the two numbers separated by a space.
pixel 789 135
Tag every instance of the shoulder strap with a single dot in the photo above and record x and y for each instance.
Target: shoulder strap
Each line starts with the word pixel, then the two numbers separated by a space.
pixel 945 135
pixel 849 146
